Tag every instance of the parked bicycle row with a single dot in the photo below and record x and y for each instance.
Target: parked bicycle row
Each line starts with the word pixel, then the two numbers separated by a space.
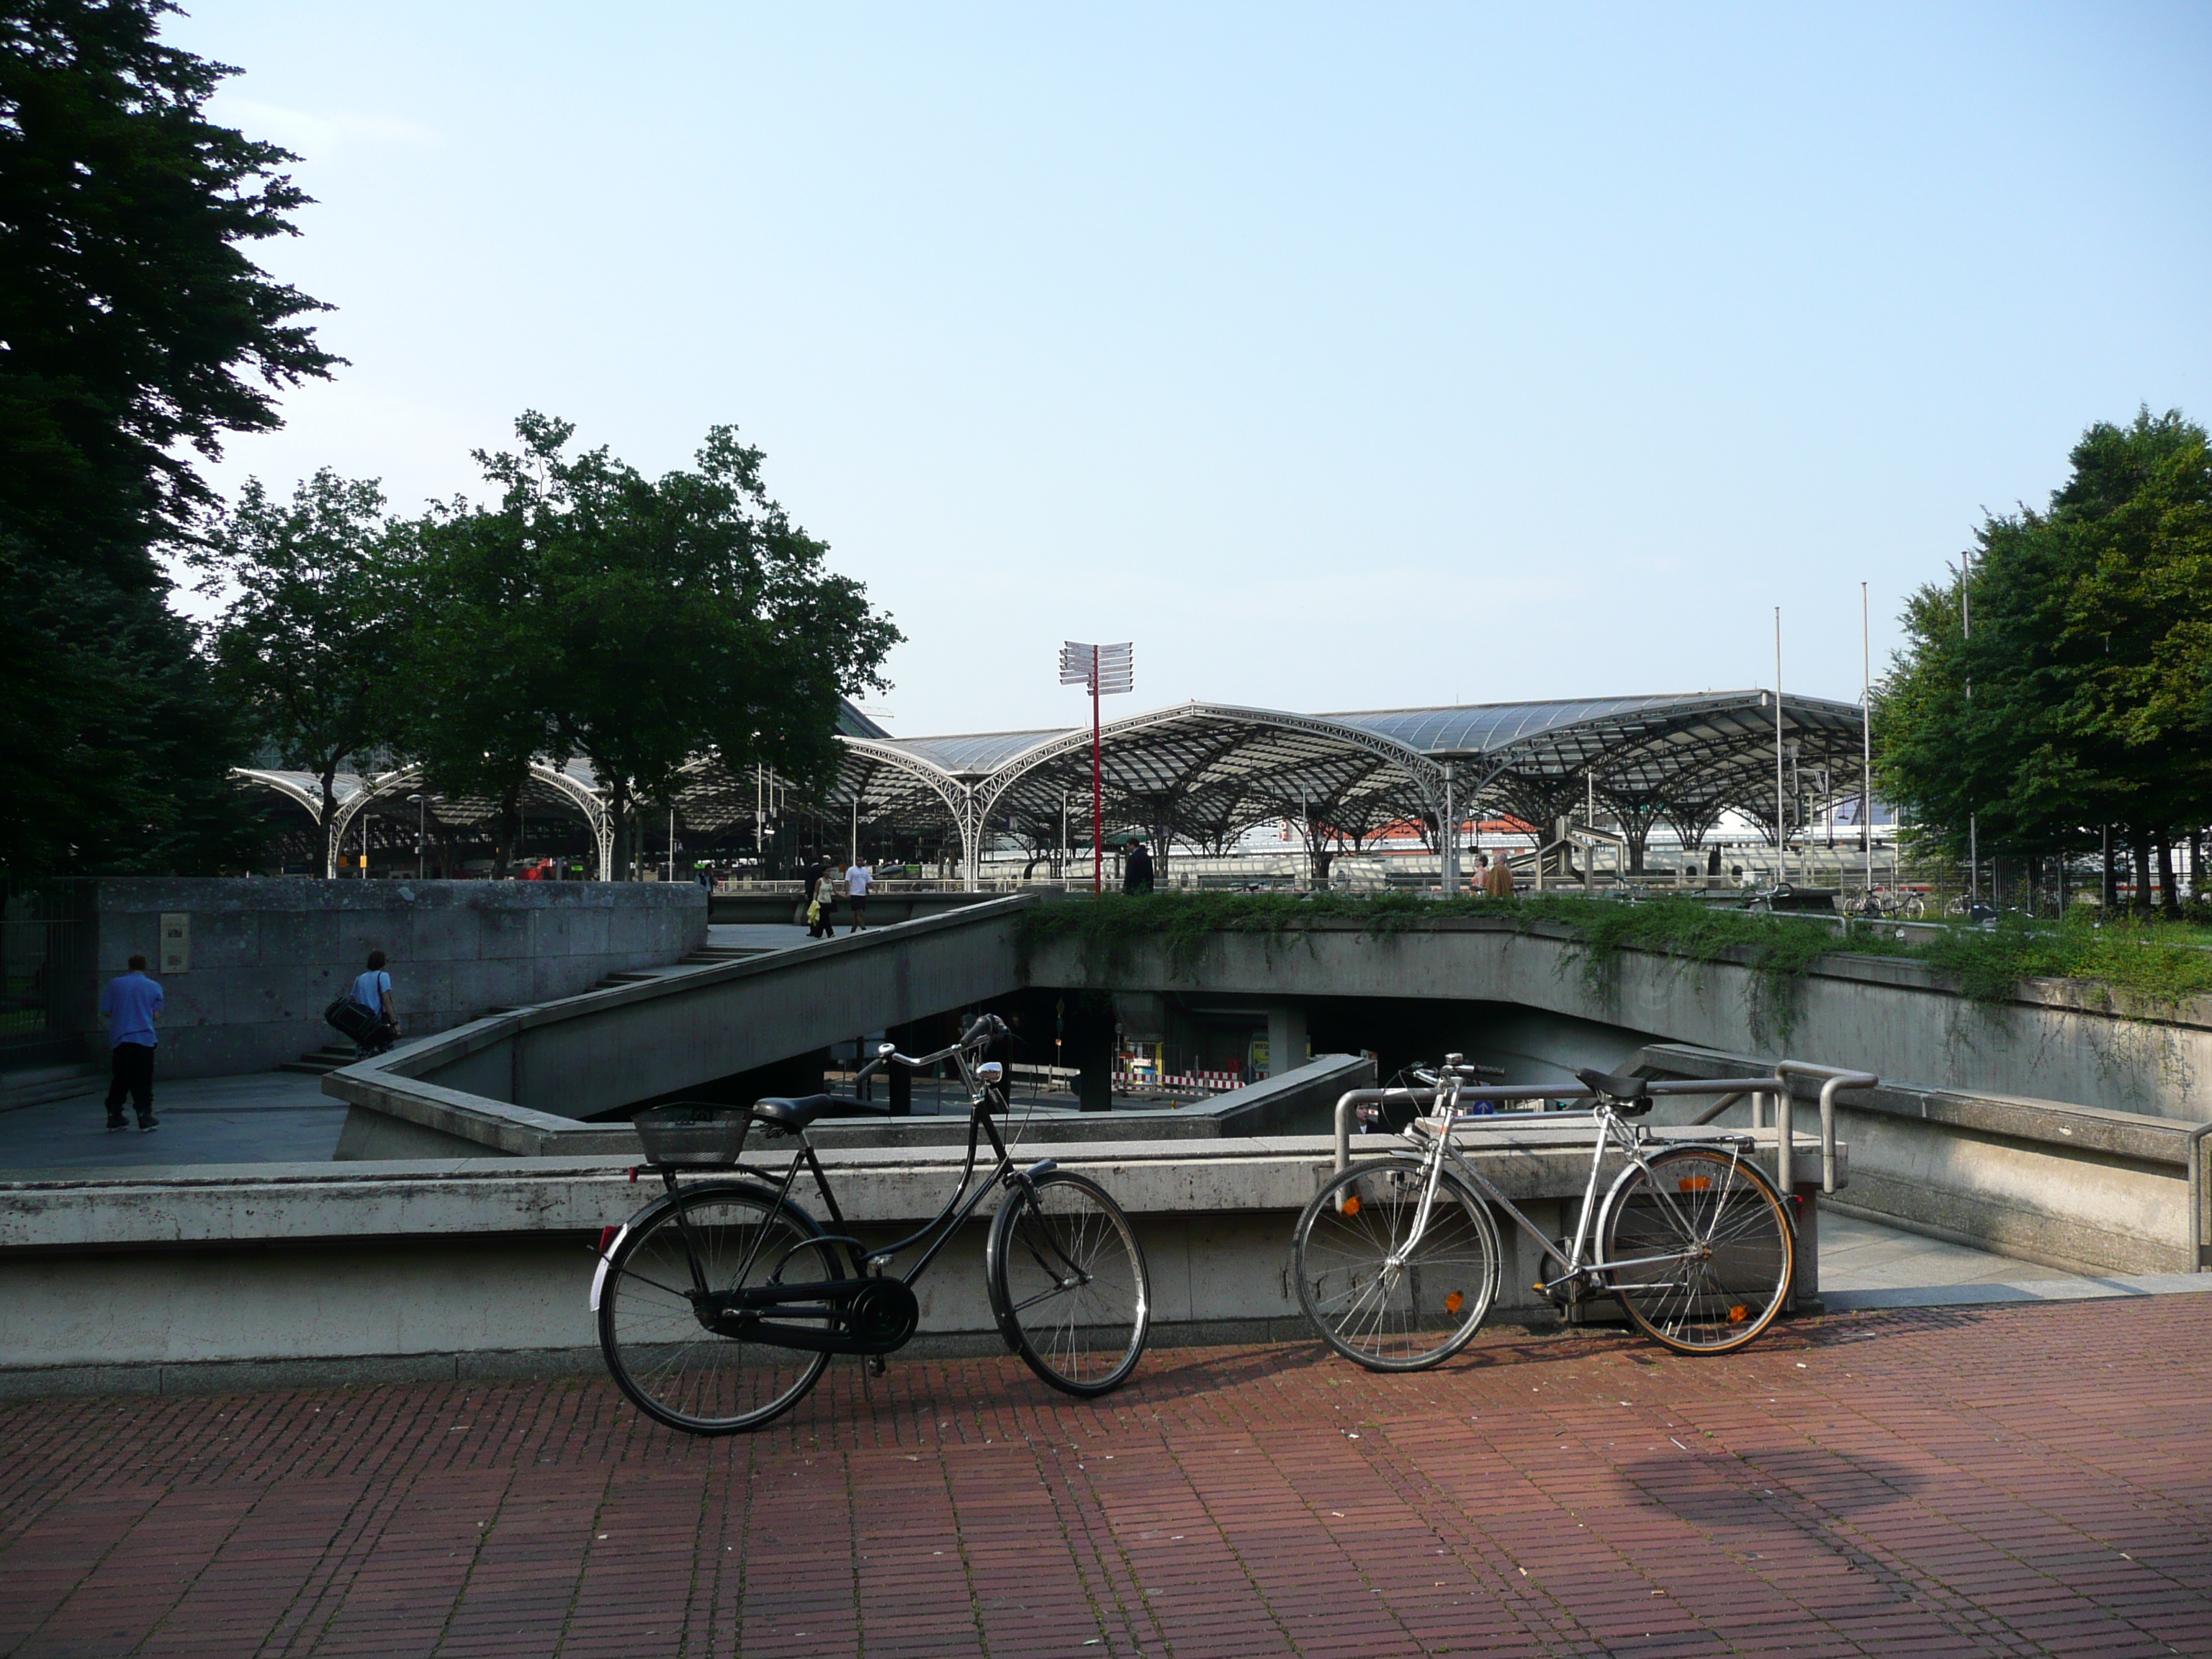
pixel 720 1303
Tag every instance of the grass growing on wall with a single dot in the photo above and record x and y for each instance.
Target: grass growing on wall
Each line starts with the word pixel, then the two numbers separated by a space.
pixel 2145 967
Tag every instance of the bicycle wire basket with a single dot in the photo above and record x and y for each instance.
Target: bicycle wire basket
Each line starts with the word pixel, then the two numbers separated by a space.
pixel 693 1133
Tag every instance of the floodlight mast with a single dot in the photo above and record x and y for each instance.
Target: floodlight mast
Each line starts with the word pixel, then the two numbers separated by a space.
pixel 1105 669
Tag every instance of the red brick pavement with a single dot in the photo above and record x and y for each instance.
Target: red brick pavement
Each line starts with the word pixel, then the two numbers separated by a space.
pixel 2015 1481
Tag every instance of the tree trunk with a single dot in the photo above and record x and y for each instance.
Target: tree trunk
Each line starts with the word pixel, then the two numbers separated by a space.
pixel 2108 890
pixel 2139 870
pixel 2169 900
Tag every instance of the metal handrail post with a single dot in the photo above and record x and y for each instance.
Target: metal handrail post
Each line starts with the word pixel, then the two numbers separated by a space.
pixel 1351 1100
pixel 1836 1078
pixel 2196 1197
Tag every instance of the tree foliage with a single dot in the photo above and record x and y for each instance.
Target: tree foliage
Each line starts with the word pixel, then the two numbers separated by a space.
pixel 134 332
pixel 642 624
pixel 311 642
pixel 2063 682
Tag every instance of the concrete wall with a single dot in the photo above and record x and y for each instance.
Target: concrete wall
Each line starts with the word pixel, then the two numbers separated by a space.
pixel 2080 1188
pixel 2055 1041
pixel 238 1275
pixel 266 957
pixel 631 1043
pixel 396 1119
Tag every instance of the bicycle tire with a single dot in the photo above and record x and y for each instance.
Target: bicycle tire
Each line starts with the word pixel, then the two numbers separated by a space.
pixel 1082 1338
pixel 1383 1320
pixel 1742 1251
pixel 662 1353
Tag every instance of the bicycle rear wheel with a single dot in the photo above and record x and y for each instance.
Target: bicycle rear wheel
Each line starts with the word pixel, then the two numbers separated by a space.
pixel 1716 1247
pixel 1068 1284
pixel 660 1349
pixel 1375 1294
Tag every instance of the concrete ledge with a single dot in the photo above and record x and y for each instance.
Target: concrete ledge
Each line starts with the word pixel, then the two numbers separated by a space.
pixel 390 1265
pixel 1892 1017
pixel 2082 1188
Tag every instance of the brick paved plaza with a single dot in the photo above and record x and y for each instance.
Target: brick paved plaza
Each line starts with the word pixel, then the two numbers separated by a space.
pixel 2018 1480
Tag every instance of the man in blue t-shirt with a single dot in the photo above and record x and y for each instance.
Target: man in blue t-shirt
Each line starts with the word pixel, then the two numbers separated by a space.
pixel 372 991
pixel 132 1003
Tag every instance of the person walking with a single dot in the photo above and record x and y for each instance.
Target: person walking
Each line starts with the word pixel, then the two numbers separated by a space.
pixel 132 1003
pixel 1136 876
pixel 372 989
pixel 1500 881
pixel 821 901
pixel 859 877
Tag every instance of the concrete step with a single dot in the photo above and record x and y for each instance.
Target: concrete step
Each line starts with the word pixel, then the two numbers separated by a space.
pixel 328 1058
pixel 34 1085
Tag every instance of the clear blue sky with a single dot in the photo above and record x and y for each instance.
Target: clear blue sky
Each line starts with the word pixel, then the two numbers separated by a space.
pixel 1342 357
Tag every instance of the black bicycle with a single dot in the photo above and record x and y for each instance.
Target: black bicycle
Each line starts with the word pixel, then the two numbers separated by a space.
pixel 720 1303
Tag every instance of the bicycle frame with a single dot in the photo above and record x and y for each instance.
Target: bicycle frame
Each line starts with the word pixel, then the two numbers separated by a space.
pixel 821 1297
pixel 1613 1133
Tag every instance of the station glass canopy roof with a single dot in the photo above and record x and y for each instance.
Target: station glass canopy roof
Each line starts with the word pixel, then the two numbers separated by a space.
pixel 1201 774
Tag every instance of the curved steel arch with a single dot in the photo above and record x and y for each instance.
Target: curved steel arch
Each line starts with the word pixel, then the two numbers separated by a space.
pixel 577 793
pixel 283 784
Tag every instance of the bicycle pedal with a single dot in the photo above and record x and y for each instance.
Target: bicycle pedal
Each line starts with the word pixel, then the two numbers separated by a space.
pixel 878 1365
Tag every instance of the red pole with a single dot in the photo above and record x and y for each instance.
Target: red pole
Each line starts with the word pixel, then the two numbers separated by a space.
pixel 1097 799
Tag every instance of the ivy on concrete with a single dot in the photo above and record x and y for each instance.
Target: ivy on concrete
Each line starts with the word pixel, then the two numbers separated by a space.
pixel 2143 968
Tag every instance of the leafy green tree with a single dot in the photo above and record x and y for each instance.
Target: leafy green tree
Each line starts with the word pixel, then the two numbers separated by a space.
pixel 2064 683
pixel 483 659
pixel 311 643
pixel 641 624
pixel 137 332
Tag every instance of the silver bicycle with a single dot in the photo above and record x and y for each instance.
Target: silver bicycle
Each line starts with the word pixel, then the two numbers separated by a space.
pixel 1398 1259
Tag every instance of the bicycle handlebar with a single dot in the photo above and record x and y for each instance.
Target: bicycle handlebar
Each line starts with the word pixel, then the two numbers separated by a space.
pixel 985 1028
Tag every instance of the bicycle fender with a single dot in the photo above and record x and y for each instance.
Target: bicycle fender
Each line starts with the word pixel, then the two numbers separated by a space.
pixel 1043 1167
pixel 614 1245
pixel 599 1276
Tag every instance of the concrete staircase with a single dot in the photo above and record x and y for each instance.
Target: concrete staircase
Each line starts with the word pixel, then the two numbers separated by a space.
pixel 333 1055
pixel 328 1058
pixel 34 1085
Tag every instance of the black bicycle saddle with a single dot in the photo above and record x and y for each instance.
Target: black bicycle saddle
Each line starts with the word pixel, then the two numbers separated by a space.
pixel 790 1113
pixel 1631 1095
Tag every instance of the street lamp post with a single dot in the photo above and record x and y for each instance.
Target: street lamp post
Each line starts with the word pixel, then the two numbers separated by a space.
pixel 422 829
pixel 1105 669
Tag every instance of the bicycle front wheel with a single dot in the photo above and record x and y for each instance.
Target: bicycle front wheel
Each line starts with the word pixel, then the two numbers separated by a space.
pixel 1068 1284
pixel 1704 1247
pixel 653 1309
pixel 1380 1296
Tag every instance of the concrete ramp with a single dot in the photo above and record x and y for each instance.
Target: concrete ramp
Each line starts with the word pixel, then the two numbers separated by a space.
pixel 586 1055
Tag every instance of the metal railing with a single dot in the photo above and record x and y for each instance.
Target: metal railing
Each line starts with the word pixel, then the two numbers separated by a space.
pixel 1834 1081
pixel 2198 1221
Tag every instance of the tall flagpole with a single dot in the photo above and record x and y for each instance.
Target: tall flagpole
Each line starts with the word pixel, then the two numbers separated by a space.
pixel 1781 823
pixel 1866 735
pixel 1106 670
pixel 1097 796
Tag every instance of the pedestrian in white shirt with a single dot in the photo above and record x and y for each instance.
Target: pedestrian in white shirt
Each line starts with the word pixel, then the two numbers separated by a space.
pixel 858 880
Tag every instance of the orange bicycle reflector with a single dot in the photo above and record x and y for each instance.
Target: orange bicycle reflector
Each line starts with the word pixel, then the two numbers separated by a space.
pixel 1351 1205
pixel 1454 1302
pixel 1738 1314
pixel 1695 1183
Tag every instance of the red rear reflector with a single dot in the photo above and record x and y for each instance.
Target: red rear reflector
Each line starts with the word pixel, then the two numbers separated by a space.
pixel 1695 1183
pixel 607 1238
